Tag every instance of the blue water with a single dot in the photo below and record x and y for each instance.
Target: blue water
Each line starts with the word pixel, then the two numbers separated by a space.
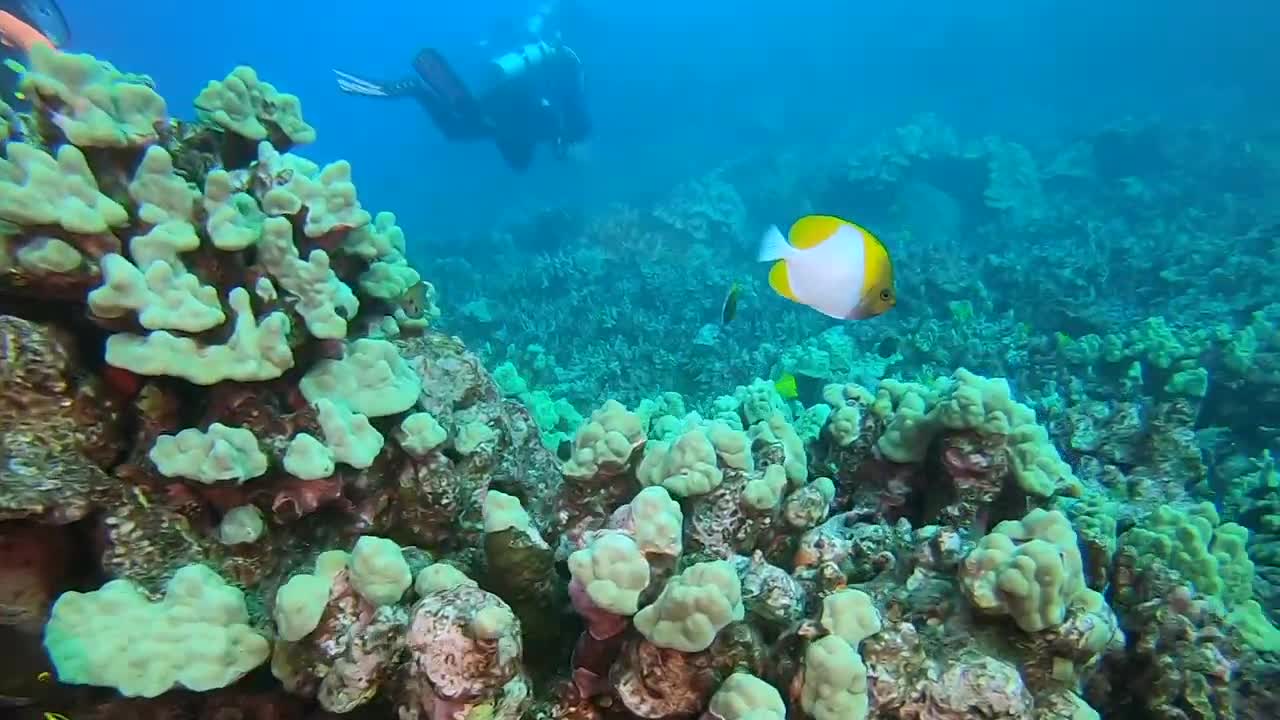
pixel 676 87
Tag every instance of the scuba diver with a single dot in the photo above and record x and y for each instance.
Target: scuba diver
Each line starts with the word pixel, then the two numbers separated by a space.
pixel 534 93
pixel 23 24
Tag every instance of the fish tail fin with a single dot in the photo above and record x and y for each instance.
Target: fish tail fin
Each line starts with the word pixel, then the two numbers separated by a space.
pixel 774 246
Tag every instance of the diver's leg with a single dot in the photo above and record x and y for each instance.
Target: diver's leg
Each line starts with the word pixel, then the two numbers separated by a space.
pixel 448 100
pixel 516 151
pixel 442 115
pixel 440 77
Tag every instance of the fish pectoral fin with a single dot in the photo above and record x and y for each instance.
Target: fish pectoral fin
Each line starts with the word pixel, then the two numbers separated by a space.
pixel 811 230
pixel 780 281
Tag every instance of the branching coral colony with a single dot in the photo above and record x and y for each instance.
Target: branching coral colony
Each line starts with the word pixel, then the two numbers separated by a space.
pixel 218 366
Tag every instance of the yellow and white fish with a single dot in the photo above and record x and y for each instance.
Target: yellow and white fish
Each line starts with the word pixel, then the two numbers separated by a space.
pixel 832 265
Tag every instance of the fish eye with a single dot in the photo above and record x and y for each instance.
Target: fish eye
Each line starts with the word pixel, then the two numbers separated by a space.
pixel 886 294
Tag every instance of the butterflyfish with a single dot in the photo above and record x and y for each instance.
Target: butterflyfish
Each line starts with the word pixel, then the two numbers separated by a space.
pixel 730 307
pixel 832 265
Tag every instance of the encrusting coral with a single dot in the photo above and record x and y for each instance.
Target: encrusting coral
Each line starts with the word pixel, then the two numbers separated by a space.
pixel 298 484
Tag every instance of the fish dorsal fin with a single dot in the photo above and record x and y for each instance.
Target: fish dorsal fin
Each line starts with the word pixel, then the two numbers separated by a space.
pixel 780 282
pixel 810 230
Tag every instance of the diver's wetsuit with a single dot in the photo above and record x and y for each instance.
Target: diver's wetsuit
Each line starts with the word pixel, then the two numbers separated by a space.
pixel 540 101
pixel 546 103
pixel 535 100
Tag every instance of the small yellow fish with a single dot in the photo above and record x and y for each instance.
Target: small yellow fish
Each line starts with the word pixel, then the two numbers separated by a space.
pixel 45 677
pixel 142 500
pixel 832 265
pixel 786 387
pixel 16 68
pixel 55 716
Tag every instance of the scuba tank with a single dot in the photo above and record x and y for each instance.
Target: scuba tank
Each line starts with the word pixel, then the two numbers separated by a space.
pixel 519 61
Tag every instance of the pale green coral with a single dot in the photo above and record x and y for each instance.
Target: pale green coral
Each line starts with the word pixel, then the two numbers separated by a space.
pixel 694 460
pixel 809 425
pixel 760 401
pixel 252 108
pixel 1252 352
pixel 1029 569
pixel 233 219
pixel 694 606
pixel 198 637
pixel 323 300
pixel 162 296
pixel 371 379
pixel 604 444
pixel 1152 341
pixel 1206 552
pixel 254 352
pixel 54 191
pixel 686 467
pixel 776 430
pixel 509 382
pixel 1254 496
pixel 209 456
pixel 557 420
pixel 327 193
pixel 834 681
pixel 48 256
pixel 743 696
pixel 1192 382
pixel 420 433
pixel 91 102
pixel 965 401
pixel 1254 626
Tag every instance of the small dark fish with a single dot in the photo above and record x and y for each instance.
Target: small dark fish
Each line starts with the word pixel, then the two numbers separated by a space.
pixel 43 15
pixel 1218 487
pixel 887 347
pixel 730 307
pixel 414 303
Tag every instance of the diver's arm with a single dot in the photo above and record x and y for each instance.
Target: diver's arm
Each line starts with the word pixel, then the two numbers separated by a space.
pixel 572 116
pixel 577 76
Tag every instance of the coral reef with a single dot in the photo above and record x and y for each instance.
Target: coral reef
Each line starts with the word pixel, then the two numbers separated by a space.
pixel 243 473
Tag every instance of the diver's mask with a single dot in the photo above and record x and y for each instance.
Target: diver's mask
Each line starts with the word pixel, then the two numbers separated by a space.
pixel 519 61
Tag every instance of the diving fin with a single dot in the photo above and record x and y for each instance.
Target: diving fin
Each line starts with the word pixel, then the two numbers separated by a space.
pixel 448 100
